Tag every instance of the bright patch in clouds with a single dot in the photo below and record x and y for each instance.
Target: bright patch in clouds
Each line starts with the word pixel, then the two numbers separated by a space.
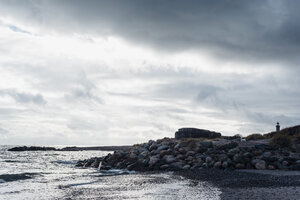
pixel 104 83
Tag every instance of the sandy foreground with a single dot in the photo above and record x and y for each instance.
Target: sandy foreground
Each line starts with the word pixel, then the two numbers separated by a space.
pixel 251 184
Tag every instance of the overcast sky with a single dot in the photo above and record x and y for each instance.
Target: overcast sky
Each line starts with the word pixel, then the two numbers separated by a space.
pixel 95 72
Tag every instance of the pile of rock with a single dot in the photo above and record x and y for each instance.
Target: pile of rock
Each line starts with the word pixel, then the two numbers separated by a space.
pixel 184 154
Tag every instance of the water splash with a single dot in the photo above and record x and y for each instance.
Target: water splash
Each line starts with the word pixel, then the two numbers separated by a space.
pixel 99 167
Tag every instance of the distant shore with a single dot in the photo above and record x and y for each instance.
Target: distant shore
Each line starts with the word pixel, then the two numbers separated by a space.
pixel 71 148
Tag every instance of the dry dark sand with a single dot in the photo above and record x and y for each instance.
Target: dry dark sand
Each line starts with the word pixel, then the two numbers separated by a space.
pixel 250 184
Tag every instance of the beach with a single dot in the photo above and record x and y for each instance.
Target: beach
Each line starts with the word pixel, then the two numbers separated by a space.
pixel 250 184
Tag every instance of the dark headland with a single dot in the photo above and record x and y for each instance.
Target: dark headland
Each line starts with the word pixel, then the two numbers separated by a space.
pixel 73 148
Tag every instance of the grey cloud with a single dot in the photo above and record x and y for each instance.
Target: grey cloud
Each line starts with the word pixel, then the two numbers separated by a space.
pixel 22 97
pixel 77 124
pixel 261 100
pixel 83 89
pixel 252 30
pixel 3 131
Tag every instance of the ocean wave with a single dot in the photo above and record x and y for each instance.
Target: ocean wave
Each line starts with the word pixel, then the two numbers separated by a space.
pixel 16 177
pixel 65 162
pixel 11 161
pixel 15 161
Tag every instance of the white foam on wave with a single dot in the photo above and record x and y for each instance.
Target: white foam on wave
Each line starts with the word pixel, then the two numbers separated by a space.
pixel 2 181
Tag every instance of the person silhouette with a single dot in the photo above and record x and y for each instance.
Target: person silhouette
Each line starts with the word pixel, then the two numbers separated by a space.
pixel 277 127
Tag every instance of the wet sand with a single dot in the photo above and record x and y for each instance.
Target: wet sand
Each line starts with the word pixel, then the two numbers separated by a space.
pixel 250 184
pixel 152 186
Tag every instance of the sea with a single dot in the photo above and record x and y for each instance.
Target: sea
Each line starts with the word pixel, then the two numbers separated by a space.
pixel 39 175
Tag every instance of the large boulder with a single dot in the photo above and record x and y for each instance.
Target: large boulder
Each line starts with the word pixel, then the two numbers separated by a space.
pixel 195 133
pixel 261 164
pixel 153 160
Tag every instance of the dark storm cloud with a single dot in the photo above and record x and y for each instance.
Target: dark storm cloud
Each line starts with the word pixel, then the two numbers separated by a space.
pixel 22 97
pixel 241 29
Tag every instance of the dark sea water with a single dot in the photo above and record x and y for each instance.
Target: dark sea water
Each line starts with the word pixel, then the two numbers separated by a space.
pixel 53 175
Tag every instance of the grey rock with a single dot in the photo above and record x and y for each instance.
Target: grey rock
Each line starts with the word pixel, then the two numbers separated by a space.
pixel 285 163
pixel 169 158
pixel 222 157
pixel 190 153
pixel 271 167
pixel 186 167
pixel 141 149
pixel 254 161
pixel 225 144
pixel 180 157
pixel 189 158
pixel 133 156
pixel 270 159
pixel 225 164
pixel 206 143
pixel 257 152
pixel 204 165
pixel 199 161
pixel 165 166
pixel 238 158
pixel 218 164
pixel 176 165
pixel 240 166
pixel 263 146
pixel 95 164
pixel 153 147
pixel 182 150
pixel 211 164
pixel 234 150
pixel 260 165
pixel 177 146
pixel 153 160
pixel 208 159
pixel 267 154
pixel 162 147
pixel 164 152
pixel 247 155
pixel 143 155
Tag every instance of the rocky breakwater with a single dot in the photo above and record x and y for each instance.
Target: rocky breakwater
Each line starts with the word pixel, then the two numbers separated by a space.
pixel 188 154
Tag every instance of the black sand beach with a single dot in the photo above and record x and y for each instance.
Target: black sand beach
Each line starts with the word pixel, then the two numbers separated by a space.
pixel 249 184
